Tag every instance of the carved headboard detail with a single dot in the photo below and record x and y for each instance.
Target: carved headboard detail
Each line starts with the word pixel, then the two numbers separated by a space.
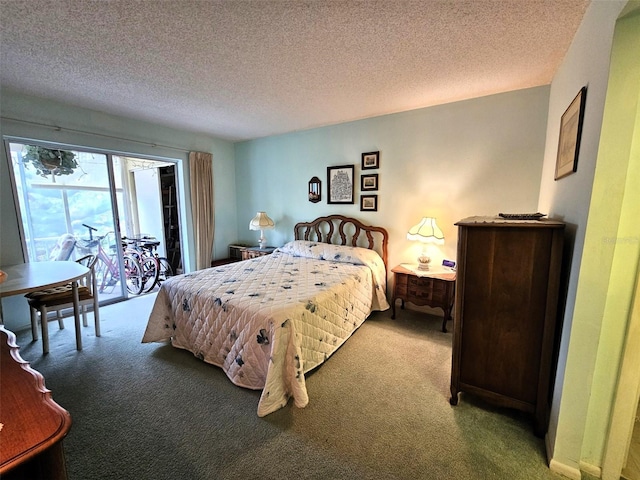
pixel 341 230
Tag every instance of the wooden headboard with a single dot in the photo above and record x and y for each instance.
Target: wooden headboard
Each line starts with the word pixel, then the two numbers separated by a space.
pixel 348 230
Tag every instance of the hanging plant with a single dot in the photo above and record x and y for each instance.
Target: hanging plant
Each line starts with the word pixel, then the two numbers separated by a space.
pixel 49 161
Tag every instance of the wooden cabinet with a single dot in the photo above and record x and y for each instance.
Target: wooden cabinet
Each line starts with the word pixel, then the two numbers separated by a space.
pixel 506 305
pixel 235 252
pixel 434 288
pixel 170 217
pixel 253 252
pixel 33 425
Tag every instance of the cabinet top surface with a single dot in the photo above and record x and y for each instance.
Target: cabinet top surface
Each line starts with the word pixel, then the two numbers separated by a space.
pixel 433 272
pixel 496 221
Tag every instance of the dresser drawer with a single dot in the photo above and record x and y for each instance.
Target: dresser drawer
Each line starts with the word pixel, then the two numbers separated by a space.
pixel 420 288
pixel 440 292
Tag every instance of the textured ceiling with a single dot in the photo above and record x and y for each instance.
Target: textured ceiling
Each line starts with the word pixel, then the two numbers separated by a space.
pixel 248 69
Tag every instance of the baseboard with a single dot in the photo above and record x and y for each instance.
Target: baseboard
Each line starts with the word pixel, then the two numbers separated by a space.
pixel 591 469
pixel 568 471
pixel 565 470
pixel 557 467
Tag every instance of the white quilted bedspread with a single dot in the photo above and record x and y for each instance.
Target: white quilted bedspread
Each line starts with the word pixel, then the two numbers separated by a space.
pixel 269 320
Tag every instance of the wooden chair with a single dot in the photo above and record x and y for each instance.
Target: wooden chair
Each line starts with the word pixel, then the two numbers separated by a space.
pixel 60 298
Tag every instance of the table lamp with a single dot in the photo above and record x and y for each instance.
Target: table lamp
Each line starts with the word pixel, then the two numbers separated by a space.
pixel 427 232
pixel 261 222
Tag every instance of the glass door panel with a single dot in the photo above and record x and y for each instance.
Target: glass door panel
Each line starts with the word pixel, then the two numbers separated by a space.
pixel 66 200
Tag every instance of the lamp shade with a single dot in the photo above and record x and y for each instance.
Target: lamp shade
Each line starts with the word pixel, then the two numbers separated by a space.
pixel 426 231
pixel 261 222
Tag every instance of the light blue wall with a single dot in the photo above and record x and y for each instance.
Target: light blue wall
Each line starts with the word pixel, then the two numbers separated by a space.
pixel 88 128
pixel 480 156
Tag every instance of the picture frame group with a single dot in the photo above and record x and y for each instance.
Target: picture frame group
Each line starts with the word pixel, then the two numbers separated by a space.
pixel 341 184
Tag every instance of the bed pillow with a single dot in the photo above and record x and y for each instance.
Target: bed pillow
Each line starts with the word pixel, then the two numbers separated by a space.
pixel 334 253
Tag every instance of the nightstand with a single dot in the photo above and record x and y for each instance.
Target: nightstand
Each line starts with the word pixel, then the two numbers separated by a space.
pixel 235 251
pixel 435 288
pixel 253 252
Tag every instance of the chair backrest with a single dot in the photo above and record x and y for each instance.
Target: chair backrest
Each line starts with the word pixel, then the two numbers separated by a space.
pixel 63 248
pixel 89 261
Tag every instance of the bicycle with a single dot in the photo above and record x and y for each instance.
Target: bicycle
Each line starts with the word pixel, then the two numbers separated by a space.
pixel 155 269
pixel 107 268
pixel 150 267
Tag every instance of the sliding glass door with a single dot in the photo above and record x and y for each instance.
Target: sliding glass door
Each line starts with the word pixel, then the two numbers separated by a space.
pixel 76 202
pixel 69 203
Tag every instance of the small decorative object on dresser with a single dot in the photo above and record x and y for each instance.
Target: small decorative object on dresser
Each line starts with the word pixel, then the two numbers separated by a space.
pixel 435 288
pixel 507 287
pixel 261 222
pixel 253 252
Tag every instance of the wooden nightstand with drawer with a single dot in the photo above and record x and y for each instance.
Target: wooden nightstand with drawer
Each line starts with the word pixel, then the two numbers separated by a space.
pixel 435 288
pixel 253 252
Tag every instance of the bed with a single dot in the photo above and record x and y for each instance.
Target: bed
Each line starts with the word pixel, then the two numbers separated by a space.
pixel 269 320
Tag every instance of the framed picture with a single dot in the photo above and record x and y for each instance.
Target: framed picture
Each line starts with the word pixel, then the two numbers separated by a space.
pixel 570 133
pixel 370 160
pixel 368 203
pixel 340 184
pixel 369 182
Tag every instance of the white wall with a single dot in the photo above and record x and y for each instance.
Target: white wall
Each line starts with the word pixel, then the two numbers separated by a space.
pixel 149 205
pixel 88 128
pixel 480 156
pixel 569 199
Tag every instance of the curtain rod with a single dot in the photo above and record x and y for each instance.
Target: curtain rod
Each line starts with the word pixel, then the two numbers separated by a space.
pixel 60 129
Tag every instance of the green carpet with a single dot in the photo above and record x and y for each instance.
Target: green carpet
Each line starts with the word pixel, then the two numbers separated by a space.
pixel 378 410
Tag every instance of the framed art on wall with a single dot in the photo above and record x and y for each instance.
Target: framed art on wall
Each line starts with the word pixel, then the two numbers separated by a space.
pixel 370 160
pixel 570 133
pixel 368 203
pixel 369 182
pixel 340 184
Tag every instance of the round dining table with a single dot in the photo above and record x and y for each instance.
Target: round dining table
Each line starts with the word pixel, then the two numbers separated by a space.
pixel 29 277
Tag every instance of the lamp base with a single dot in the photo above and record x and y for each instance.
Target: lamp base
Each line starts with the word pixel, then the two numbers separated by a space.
pixel 423 263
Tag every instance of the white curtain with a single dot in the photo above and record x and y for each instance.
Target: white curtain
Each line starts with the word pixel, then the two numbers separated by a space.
pixel 202 208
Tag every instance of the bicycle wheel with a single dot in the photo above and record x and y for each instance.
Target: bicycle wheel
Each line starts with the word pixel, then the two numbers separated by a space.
pixel 165 271
pixel 105 276
pixel 133 273
pixel 150 273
